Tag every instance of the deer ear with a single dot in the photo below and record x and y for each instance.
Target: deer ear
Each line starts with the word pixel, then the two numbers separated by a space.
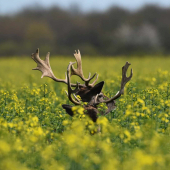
pixel 96 89
pixel 68 109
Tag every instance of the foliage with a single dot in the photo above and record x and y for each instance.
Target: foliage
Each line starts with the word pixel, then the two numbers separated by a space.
pixel 116 31
pixel 36 133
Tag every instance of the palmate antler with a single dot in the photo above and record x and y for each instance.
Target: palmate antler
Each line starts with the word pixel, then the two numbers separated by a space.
pixel 79 71
pixel 44 67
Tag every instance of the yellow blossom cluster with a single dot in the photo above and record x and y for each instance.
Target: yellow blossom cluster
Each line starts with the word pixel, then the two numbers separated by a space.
pixel 36 133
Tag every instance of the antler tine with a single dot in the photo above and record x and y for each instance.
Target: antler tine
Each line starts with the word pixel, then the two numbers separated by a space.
pixel 125 79
pixel 45 68
pixel 70 90
pixel 79 71
pixel 92 84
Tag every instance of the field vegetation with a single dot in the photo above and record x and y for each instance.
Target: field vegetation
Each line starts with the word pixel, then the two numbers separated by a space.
pixel 36 133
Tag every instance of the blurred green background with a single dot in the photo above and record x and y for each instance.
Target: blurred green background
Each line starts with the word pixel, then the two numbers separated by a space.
pixel 115 30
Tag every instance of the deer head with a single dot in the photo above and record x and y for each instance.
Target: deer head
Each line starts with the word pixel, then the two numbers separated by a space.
pixel 91 94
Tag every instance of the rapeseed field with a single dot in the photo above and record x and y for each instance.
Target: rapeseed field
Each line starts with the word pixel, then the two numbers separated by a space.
pixel 37 134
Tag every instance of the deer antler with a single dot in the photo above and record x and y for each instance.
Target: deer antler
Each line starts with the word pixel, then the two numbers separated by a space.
pixel 70 90
pixel 88 92
pixel 123 83
pixel 79 71
pixel 45 68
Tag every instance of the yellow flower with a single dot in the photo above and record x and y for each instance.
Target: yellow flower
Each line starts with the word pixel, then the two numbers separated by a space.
pixel 143 159
pixel 48 152
pixel 166 120
pixel 65 122
pixel 137 114
pixel 103 121
pixel 128 112
pixel 153 79
pixel 4 147
pixel 33 138
pixel 163 119
pixel 95 158
pixel 127 133
pixel 81 110
pixel 35 119
pixel 138 134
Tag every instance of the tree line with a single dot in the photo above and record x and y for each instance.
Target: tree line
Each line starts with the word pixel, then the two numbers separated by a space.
pixel 116 31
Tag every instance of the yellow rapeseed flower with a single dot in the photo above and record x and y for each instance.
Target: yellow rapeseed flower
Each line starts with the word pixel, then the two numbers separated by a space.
pixel 4 147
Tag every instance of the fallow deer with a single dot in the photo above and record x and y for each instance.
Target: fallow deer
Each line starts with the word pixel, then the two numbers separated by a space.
pixel 91 94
